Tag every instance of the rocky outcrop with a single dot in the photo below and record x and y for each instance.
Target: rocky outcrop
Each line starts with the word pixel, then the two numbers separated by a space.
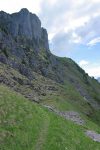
pixel 70 115
pixel 93 135
pixel 24 25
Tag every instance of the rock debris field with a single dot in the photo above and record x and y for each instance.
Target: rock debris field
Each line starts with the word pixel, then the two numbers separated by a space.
pixel 75 117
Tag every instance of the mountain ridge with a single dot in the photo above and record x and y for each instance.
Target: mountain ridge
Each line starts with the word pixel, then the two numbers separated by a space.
pixel 24 47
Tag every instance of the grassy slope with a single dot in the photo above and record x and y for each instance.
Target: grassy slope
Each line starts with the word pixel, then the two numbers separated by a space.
pixel 28 126
pixel 79 75
pixel 69 99
pixel 65 98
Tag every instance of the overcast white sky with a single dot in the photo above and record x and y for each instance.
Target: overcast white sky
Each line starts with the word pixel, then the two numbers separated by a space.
pixel 73 27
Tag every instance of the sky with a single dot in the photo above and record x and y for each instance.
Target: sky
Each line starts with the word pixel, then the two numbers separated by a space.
pixel 73 28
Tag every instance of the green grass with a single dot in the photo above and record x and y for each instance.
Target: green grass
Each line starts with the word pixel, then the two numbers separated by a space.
pixel 66 97
pixel 64 135
pixel 25 125
pixel 20 120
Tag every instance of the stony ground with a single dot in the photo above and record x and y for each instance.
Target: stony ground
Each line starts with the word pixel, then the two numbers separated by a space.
pixel 75 117
pixel 93 135
pixel 71 115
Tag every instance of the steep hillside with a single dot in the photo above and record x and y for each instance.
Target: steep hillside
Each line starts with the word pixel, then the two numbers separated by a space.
pixel 45 91
pixel 53 91
pixel 28 126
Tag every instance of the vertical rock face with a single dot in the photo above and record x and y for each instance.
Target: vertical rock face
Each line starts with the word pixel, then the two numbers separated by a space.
pixel 23 42
pixel 44 37
pixel 24 25
pixel 27 24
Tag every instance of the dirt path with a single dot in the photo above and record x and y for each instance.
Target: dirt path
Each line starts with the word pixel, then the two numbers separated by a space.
pixel 43 134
